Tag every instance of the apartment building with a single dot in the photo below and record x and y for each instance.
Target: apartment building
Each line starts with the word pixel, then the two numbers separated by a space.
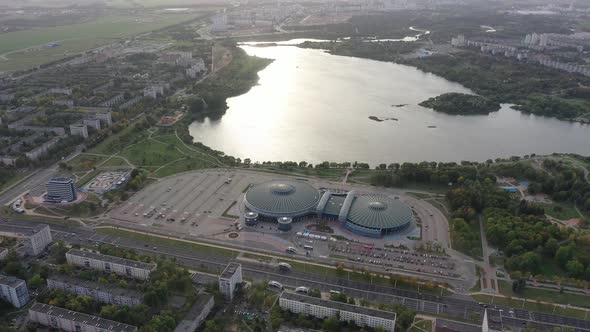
pixel 197 313
pixel 100 293
pixel 72 321
pixel 229 278
pixel 110 264
pixel 316 307
pixel 14 291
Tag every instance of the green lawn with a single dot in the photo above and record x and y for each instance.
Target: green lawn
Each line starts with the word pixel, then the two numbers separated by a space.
pixel 76 38
pixel 150 153
pixel 14 178
pixel 85 162
pixel 169 242
pixel 82 181
pixel 422 325
pixel 561 211
pixel 114 162
pixel 532 305
pixel 546 295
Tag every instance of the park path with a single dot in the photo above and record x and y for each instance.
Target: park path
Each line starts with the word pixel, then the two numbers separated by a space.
pixel 489 281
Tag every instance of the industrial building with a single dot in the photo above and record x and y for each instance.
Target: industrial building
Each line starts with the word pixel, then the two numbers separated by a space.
pixel 14 291
pixel 72 321
pixel 316 307
pixel 101 293
pixel 229 278
pixel 61 190
pixel 286 201
pixel 110 264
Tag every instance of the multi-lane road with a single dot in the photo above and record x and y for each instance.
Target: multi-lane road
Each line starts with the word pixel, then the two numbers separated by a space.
pixel 450 306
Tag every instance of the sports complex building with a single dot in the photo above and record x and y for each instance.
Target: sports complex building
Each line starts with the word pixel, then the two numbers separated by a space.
pixel 291 200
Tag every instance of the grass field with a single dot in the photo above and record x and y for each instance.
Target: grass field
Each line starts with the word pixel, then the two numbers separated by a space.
pixel 546 295
pixel 169 242
pixel 152 3
pixel 85 162
pixel 421 325
pixel 533 306
pixel 20 49
pixel 561 211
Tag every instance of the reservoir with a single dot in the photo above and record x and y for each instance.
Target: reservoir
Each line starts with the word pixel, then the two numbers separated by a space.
pixel 312 106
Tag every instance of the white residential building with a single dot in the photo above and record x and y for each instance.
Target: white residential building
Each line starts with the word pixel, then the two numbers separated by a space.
pixel 110 264
pixel 101 293
pixel 316 307
pixel 3 253
pixel 39 239
pixel 36 239
pixel 79 129
pixel 197 314
pixel 14 291
pixel 219 22
pixel 153 91
pixel 72 321
pixel 94 123
pixel 104 117
pixel 229 278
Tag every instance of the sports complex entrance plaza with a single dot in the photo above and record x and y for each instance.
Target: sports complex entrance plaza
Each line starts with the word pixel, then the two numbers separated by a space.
pixel 370 215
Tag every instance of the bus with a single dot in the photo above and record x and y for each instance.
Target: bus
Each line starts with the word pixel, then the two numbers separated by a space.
pixel 307 247
pixel 302 289
pixel 291 250
pixel 275 284
pixel 284 266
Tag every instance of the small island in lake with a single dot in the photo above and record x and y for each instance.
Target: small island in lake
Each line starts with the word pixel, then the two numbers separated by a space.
pixel 378 119
pixel 461 104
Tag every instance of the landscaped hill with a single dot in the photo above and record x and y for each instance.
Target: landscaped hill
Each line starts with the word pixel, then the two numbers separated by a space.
pixel 460 103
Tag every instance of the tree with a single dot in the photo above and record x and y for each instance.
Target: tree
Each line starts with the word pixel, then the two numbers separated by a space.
pixel 519 285
pixel 563 255
pixel 35 281
pixel 331 325
pixel 574 268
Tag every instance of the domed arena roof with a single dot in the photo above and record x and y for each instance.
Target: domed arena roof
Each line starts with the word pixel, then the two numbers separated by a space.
pixel 282 198
pixel 379 212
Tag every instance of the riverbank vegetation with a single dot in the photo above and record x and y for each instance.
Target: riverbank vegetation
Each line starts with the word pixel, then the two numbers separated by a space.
pixel 537 89
pixel 460 103
pixel 381 51
pixel 235 78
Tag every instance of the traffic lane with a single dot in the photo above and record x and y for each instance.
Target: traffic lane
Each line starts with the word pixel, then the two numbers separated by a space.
pixel 454 306
pixel 263 273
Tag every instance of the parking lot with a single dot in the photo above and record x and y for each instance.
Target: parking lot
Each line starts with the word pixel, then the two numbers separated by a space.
pixel 209 203
pixel 395 258
pixel 197 202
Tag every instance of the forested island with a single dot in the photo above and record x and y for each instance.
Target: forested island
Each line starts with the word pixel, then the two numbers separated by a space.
pixel 537 90
pixel 461 104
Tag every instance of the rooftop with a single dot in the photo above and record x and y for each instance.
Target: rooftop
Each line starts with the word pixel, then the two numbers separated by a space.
pixel 96 286
pixel 197 308
pixel 379 212
pixel 338 305
pixel 10 281
pixel 229 271
pixel 20 231
pixel 98 322
pixel 60 180
pixel 112 259
pixel 282 197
